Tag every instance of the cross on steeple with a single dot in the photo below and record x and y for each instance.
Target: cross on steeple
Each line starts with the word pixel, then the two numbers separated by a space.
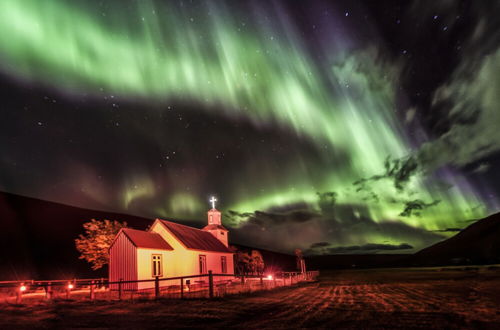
pixel 213 200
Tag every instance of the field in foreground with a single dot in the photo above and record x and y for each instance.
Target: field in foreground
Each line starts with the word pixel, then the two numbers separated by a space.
pixel 385 298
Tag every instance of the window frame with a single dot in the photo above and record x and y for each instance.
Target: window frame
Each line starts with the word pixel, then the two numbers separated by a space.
pixel 223 264
pixel 202 263
pixel 156 259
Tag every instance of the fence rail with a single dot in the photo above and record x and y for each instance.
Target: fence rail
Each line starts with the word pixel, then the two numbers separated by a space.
pixel 212 285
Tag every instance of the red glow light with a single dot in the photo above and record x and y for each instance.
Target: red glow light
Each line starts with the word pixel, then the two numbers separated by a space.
pixel 22 288
pixel 269 277
pixel 70 286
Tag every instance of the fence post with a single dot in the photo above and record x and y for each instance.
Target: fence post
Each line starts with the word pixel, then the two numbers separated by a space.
pixel 92 293
pixel 274 280
pixel 19 297
pixel 261 282
pixel 242 279
pixel 67 290
pixel 120 288
pixel 48 291
pixel 210 284
pixel 182 287
pixel 157 287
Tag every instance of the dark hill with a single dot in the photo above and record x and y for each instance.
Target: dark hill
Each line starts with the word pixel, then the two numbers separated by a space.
pixel 479 243
pixel 37 239
pixel 274 261
pixel 345 261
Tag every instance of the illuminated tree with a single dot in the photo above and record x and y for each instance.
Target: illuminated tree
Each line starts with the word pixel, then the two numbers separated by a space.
pixel 257 262
pixel 242 261
pixel 248 262
pixel 94 245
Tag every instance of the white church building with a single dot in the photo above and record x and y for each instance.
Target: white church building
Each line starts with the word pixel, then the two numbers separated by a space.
pixel 169 249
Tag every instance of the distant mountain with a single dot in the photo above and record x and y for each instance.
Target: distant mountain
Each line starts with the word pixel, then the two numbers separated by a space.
pixel 345 261
pixel 479 243
pixel 37 239
pixel 274 261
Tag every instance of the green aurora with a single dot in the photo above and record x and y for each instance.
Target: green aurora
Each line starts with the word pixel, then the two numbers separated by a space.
pixel 263 73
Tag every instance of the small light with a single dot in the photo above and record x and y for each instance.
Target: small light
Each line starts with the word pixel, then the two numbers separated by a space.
pixel 70 286
pixel 269 277
pixel 22 288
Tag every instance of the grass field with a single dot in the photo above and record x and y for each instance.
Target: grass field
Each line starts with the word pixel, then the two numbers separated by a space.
pixel 402 298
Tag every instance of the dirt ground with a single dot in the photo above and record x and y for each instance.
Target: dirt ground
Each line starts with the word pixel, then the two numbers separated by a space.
pixel 391 298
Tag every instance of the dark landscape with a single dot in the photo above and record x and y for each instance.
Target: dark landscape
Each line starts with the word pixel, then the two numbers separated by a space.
pixel 431 298
pixel 55 226
pixel 28 219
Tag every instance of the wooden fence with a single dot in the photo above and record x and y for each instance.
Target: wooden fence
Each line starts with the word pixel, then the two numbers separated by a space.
pixel 195 286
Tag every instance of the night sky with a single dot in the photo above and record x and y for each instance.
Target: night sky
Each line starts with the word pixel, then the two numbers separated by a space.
pixel 331 126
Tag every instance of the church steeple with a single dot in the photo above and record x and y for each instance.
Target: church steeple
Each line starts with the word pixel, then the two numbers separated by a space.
pixel 214 216
pixel 214 226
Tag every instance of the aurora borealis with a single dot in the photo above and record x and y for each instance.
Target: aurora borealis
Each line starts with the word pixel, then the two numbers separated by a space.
pixel 318 125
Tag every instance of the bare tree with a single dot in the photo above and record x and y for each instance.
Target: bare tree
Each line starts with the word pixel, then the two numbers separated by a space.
pixel 301 265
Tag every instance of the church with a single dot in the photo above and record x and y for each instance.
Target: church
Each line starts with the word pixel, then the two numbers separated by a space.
pixel 169 249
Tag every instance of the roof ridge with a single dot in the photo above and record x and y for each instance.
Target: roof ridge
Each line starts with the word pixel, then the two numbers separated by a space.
pixel 194 238
pixel 126 228
pixel 180 224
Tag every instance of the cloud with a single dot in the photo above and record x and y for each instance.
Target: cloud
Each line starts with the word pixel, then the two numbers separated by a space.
pixel 326 202
pixel 343 224
pixel 464 108
pixel 319 245
pixel 470 101
pixel 415 206
pixel 482 168
pixel 399 170
pixel 270 219
pixel 359 249
pixel 447 230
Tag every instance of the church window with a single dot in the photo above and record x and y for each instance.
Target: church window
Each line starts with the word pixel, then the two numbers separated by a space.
pixel 157 265
pixel 223 263
pixel 222 233
pixel 203 264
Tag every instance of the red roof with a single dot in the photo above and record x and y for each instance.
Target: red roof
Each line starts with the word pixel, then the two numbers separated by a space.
pixel 212 227
pixel 144 239
pixel 194 238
